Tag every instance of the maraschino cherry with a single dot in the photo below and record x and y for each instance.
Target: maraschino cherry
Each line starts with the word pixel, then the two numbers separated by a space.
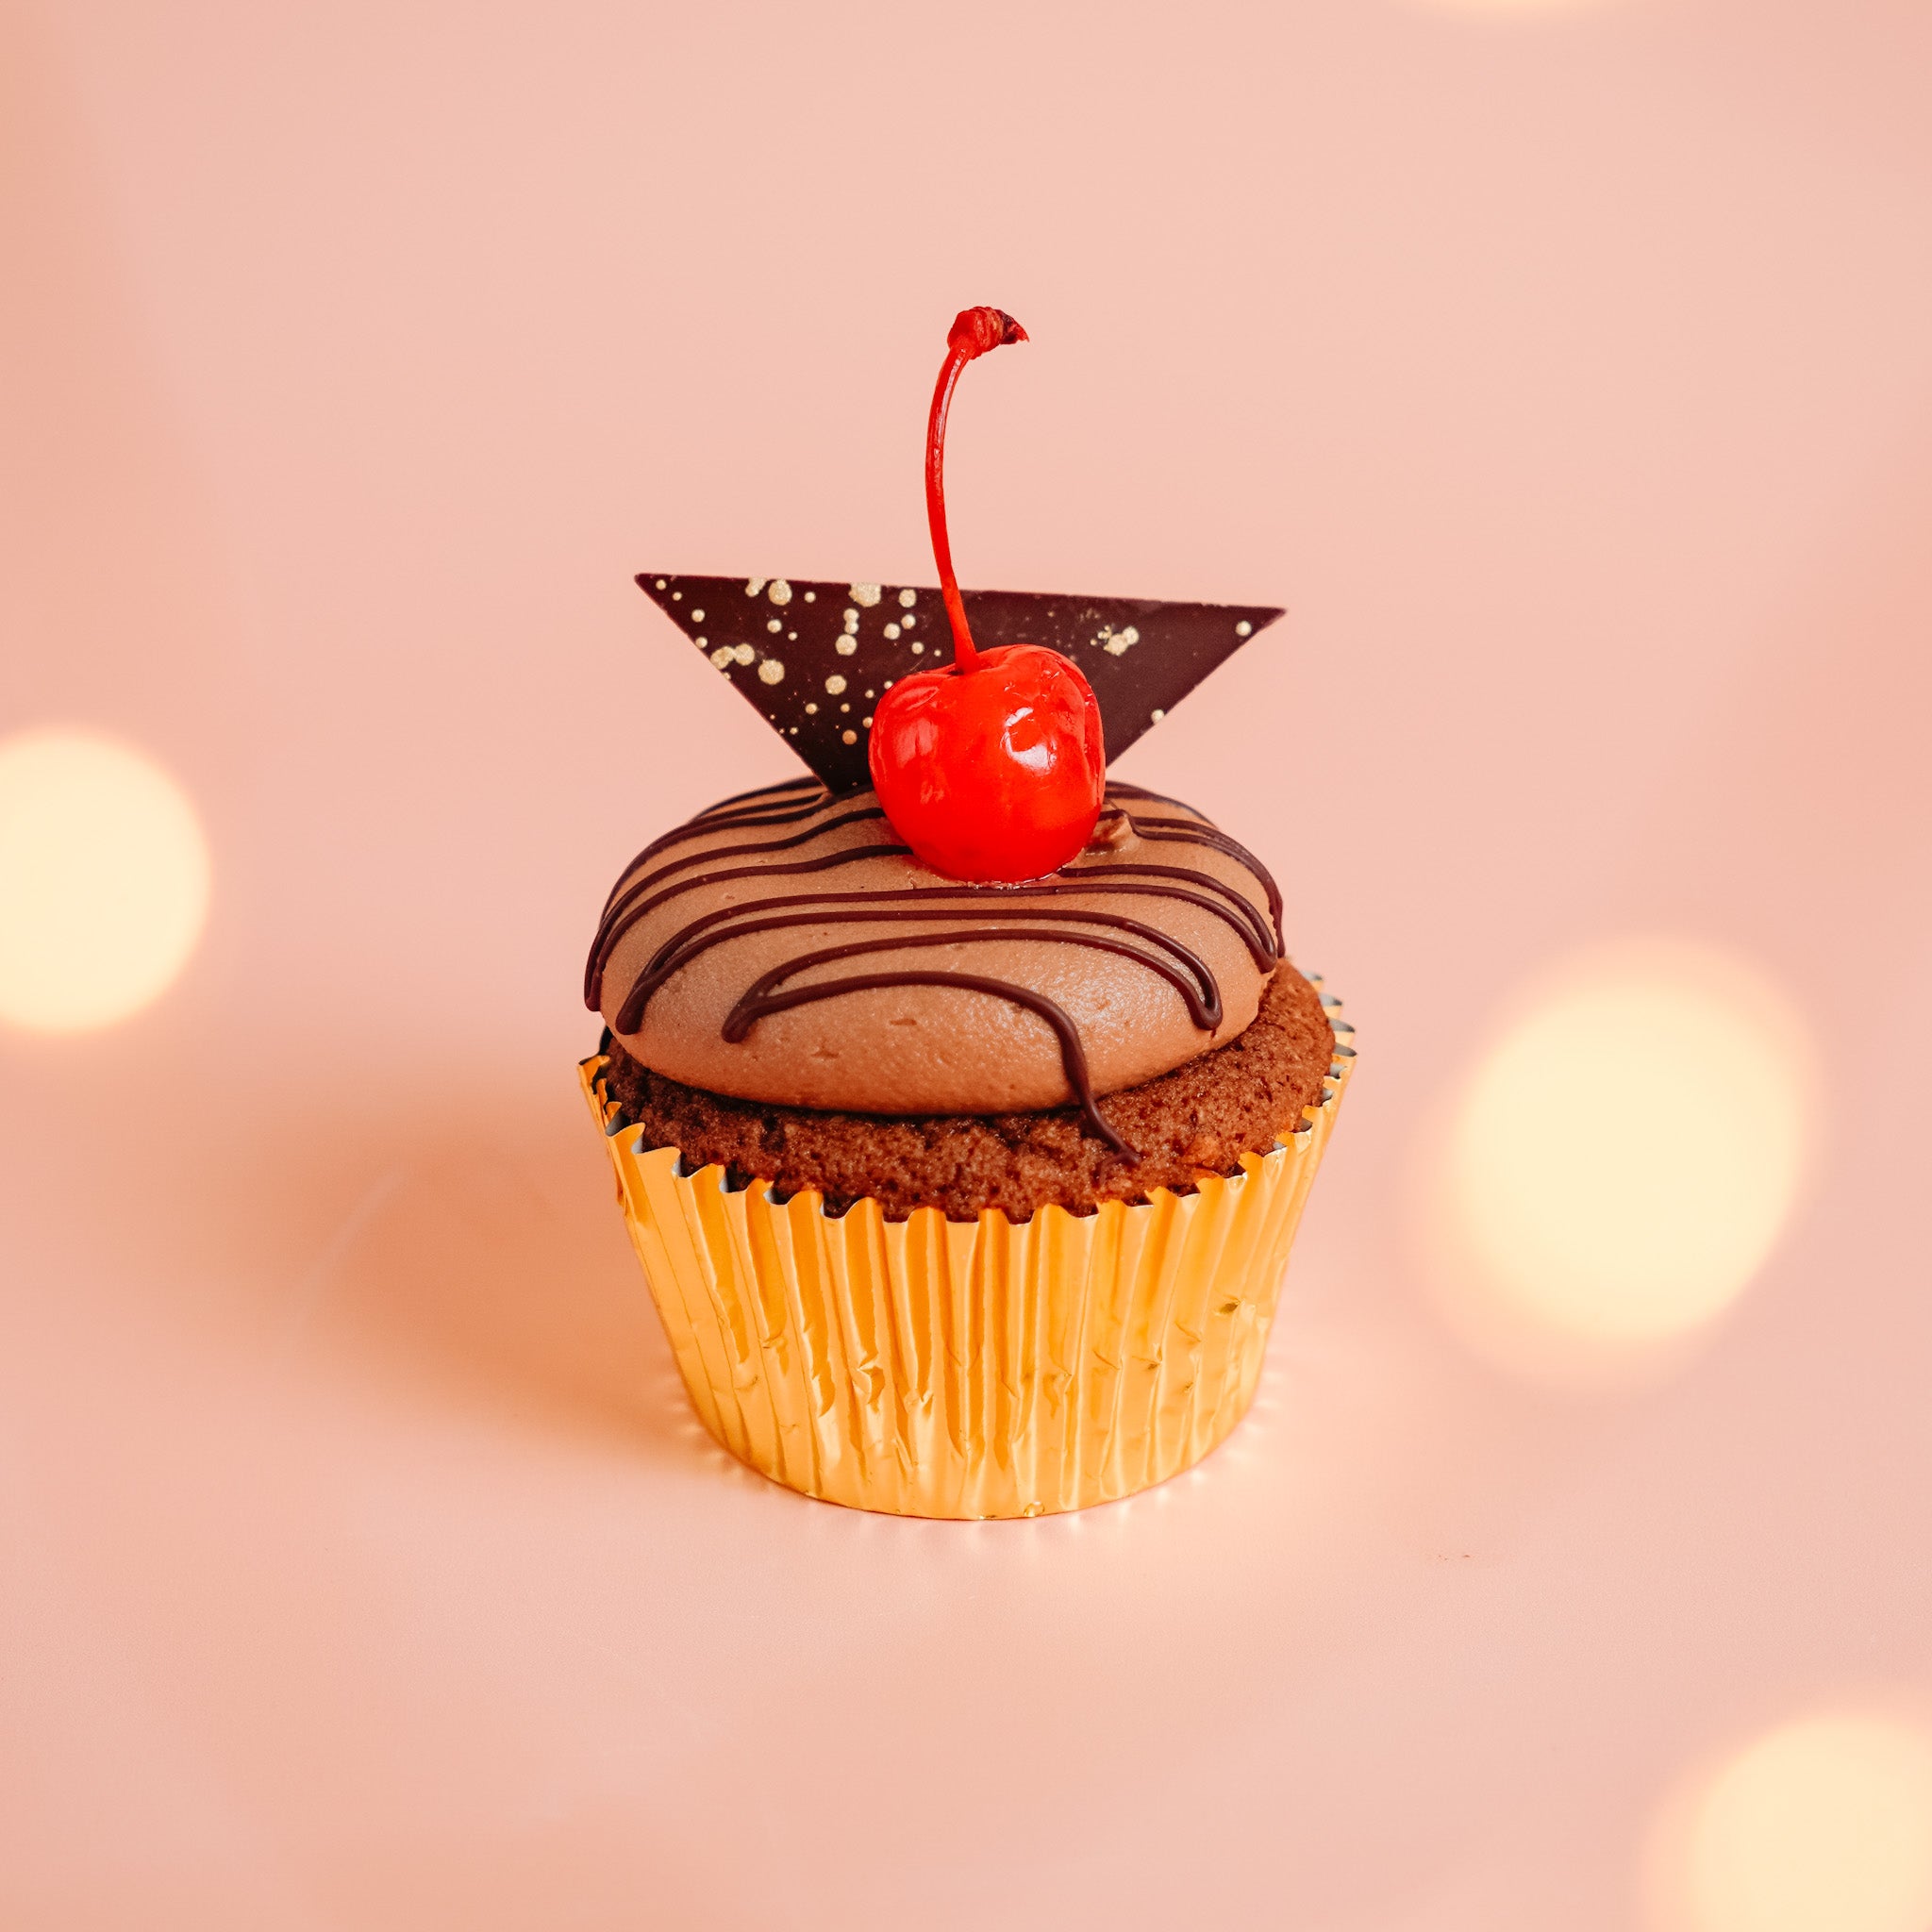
pixel 992 768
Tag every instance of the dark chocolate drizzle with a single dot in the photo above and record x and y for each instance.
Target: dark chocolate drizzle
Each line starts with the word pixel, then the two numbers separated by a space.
pixel 1073 1054
pixel 774 805
pixel 1203 998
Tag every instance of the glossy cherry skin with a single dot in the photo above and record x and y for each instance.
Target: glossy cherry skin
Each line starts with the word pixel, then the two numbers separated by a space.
pixel 994 772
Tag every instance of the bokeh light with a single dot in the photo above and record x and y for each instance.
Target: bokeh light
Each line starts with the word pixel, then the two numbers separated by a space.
pixel 1822 1826
pixel 1626 1155
pixel 104 881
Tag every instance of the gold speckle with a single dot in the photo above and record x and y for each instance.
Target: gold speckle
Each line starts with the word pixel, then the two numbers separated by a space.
pixel 703 642
pixel 791 636
pixel 1158 716
pixel 835 683
pixel 771 672
pixel 907 599
pixel 867 594
pixel 845 646
pixel 752 586
pixel 844 707
pixel 867 723
pixel 892 633
pixel 848 737
pixel 697 617
pixel 677 596
pixel 1243 628
pixel 916 646
pixel 906 623
pixel 780 591
pixel 772 623
pixel 872 693
pixel 851 617
pixel 743 653
pixel 812 596
pixel 811 711
pixel 660 583
pixel 723 655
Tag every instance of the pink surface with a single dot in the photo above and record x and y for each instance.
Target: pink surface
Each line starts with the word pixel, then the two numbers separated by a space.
pixel 361 1564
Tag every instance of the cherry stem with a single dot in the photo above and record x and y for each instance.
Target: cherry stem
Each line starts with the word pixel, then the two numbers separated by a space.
pixel 974 332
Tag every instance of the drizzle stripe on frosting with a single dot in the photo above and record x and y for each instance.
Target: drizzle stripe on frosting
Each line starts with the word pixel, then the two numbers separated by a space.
pixel 781 805
pixel 1203 999
pixel 621 917
pixel 672 955
pixel 1190 832
pixel 615 906
pixel 717 818
pixel 1193 996
pixel 1073 1056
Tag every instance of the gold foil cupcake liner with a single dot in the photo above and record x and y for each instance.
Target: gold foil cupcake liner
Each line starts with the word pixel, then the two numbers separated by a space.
pixel 974 1368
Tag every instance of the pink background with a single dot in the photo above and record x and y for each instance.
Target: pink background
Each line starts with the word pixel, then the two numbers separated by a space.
pixel 1570 374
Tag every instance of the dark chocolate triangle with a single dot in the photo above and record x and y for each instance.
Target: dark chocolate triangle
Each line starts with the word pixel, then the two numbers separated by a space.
pixel 813 658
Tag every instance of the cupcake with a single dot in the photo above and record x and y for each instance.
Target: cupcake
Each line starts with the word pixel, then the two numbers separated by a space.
pixel 962 1100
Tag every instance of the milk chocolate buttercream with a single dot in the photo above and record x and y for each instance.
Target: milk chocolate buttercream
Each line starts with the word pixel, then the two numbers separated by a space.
pixel 784 947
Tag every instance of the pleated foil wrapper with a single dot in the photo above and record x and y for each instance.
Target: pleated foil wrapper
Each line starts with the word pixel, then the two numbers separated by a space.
pixel 973 1369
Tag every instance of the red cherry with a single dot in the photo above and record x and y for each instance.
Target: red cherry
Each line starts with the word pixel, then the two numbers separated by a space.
pixel 995 771
pixel 992 767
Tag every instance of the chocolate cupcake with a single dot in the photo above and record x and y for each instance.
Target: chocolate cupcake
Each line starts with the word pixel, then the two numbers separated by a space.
pixel 962 1103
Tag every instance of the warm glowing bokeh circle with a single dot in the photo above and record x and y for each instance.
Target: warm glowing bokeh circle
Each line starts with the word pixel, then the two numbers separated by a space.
pixel 1626 1155
pixel 1823 1824
pixel 104 881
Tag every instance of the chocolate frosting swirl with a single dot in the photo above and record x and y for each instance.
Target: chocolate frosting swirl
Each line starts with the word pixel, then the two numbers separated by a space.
pixel 782 946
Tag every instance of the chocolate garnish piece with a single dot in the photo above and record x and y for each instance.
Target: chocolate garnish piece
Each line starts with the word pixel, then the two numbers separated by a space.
pixel 813 658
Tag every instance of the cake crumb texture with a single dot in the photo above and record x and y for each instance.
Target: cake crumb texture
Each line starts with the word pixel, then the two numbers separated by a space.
pixel 1198 1120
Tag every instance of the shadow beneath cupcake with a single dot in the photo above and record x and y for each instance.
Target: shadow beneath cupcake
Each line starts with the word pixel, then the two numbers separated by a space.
pixel 474 1252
